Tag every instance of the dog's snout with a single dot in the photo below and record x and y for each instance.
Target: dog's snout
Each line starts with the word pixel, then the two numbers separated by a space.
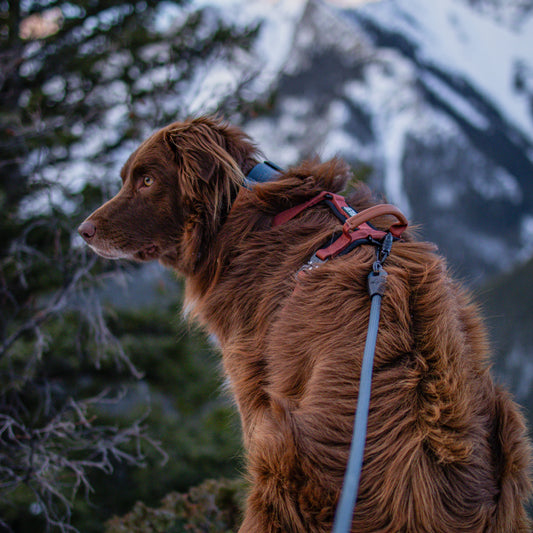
pixel 87 230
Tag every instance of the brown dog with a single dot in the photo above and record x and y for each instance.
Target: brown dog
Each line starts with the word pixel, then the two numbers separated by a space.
pixel 446 449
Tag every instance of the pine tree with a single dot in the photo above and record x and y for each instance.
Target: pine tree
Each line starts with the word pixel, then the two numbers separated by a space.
pixel 79 83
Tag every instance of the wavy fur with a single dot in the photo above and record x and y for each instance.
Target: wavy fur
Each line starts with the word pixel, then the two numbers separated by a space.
pixel 447 449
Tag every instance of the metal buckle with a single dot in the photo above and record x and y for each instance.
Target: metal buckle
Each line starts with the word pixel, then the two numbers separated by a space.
pixel 313 262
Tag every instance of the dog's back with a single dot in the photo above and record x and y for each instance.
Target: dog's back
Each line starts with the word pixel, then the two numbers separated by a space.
pixel 446 450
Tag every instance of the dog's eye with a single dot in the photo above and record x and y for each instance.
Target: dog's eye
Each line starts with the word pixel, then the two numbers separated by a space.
pixel 147 181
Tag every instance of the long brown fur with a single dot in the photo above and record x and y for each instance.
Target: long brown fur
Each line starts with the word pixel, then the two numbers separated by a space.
pixel 446 449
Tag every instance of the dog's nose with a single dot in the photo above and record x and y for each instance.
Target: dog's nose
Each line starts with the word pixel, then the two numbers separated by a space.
pixel 87 230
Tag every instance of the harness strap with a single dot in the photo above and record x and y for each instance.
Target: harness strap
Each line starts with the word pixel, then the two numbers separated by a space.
pixel 356 228
pixel 262 173
pixel 289 214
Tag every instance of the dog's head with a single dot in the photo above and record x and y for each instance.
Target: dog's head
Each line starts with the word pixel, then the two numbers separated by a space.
pixel 177 189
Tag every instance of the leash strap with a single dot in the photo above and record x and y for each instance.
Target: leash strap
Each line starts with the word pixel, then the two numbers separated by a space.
pixel 376 288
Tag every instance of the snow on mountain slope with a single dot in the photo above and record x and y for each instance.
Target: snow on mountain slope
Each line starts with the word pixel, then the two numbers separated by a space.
pixel 451 36
pixel 510 13
pixel 436 98
pixel 467 68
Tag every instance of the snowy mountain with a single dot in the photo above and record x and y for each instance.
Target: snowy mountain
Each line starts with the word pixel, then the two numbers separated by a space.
pixel 435 97
pixel 472 186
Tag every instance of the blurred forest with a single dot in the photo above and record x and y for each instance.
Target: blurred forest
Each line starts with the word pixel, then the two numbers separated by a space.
pixel 100 405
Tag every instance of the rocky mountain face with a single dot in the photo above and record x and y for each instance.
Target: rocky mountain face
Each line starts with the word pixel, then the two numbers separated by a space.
pixel 437 100
pixel 506 300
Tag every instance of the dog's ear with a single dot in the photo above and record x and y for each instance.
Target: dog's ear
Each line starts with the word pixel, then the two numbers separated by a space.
pixel 209 178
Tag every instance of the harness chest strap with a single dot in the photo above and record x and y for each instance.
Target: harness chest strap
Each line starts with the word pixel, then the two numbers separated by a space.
pixel 356 227
pixel 289 214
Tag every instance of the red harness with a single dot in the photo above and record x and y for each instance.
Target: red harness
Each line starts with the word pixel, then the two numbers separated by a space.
pixel 356 229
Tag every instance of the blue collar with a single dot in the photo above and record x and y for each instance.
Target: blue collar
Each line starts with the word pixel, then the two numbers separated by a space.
pixel 262 173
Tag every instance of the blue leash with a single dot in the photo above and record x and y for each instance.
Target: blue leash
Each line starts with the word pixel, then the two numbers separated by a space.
pixel 265 172
pixel 376 288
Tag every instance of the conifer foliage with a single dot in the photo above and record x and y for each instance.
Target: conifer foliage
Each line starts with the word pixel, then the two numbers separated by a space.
pixel 80 84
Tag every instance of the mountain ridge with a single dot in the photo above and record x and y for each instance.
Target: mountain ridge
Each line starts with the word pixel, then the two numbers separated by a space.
pixel 360 86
